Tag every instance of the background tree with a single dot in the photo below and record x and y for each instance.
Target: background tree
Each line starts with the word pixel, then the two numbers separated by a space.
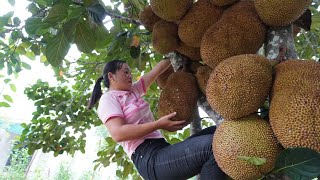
pixel 101 33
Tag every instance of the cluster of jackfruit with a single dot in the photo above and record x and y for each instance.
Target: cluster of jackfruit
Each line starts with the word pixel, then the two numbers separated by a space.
pixel 237 88
pixel 222 38
pixel 214 30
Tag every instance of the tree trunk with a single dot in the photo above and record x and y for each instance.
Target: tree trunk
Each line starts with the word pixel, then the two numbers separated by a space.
pixel 280 44
pixel 204 105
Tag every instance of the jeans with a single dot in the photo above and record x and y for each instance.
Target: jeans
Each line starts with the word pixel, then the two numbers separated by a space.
pixel 157 159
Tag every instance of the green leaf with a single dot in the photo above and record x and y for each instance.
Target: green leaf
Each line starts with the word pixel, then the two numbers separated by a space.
pixel 56 14
pixel 35 49
pixel 84 37
pixel 102 35
pixel 7 80
pixel 32 25
pixel 4 20
pixel 69 28
pixel 4 104
pixel 13 87
pixel 253 160
pixel 315 22
pixel 12 2
pixel 41 2
pixel 26 66
pixel 299 163
pixel 57 49
pixel 16 21
pixel 8 98
pixel 32 7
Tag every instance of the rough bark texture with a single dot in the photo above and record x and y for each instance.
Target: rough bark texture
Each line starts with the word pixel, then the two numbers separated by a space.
pixel 195 125
pixel 280 44
pixel 204 105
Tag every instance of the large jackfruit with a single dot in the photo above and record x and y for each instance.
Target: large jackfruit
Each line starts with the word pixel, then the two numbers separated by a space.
pixel 202 75
pixel 148 18
pixel 249 136
pixel 191 52
pixel 197 20
pixel 223 2
pixel 280 13
pixel 170 10
pixel 163 77
pixel 180 95
pixel 239 85
pixel 239 31
pixel 165 37
pixel 294 110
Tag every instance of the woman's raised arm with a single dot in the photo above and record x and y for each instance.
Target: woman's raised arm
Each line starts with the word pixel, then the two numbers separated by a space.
pixel 151 76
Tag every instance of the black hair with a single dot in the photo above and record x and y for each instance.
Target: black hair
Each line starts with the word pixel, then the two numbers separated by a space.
pixel 112 66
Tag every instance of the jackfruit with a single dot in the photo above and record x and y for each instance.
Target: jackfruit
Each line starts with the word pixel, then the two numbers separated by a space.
pixel 170 10
pixel 239 85
pixel 223 2
pixel 163 77
pixel 165 37
pixel 197 20
pixel 191 52
pixel 249 136
pixel 292 74
pixel 239 31
pixel 148 18
pixel 280 13
pixel 294 109
pixel 202 75
pixel 180 95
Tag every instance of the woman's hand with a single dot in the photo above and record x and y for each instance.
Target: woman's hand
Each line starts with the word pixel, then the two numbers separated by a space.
pixel 166 124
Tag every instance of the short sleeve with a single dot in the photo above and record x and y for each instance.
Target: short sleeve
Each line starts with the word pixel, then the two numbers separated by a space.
pixel 109 107
pixel 139 87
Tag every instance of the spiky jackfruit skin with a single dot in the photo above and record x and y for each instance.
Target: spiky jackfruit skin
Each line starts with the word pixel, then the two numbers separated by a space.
pixel 170 10
pixel 280 13
pixel 165 37
pixel 293 74
pixel 148 18
pixel 239 31
pixel 239 85
pixel 202 75
pixel 179 95
pixel 196 21
pixel 223 2
pixel 294 110
pixel 163 77
pixel 191 52
pixel 249 136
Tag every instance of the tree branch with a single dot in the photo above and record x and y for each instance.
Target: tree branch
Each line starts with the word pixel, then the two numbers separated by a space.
pixel 277 39
pixel 204 105
pixel 122 18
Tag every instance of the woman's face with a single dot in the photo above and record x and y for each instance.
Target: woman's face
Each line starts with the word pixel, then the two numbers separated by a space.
pixel 122 79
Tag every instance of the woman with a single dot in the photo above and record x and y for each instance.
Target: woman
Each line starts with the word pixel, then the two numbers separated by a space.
pixel 130 122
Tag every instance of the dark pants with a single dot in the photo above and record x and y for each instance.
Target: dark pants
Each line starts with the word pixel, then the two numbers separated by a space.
pixel 157 159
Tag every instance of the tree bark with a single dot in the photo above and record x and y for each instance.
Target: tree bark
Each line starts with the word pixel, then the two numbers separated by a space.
pixel 204 105
pixel 280 44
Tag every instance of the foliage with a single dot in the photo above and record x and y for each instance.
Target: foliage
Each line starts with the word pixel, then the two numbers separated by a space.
pixel 61 119
pixel 63 173
pixel 18 164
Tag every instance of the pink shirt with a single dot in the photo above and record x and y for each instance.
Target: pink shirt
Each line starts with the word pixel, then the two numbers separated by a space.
pixel 130 106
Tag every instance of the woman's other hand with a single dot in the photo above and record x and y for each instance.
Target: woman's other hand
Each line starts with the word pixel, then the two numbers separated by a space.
pixel 166 123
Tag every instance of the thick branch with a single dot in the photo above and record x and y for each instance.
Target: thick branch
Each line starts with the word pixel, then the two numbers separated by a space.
pixel 122 18
pixel 195 125
pixel 278 39
pixel 204 105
